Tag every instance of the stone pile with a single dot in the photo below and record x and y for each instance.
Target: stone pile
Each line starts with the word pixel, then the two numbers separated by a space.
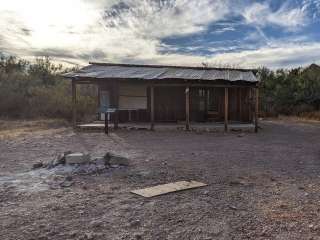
pixel 81 163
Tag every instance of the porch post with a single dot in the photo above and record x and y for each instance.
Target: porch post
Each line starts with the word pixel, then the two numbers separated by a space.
pixel 187 108
pixel 152 107
pixel 256 112
pixel 74 104
pixel 116 99
pixel 226 109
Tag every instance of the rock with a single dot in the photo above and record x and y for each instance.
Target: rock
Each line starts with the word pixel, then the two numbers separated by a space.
pixel 69 178
pixel 233 207
pixel 96 223
pixel 77 158
pixel 114 166
pixel 67 182
pixel 241 135
pixel 206 193
pixel 138 236
pixel 235 183
pixel 60 159
pixel 113 159
pixel 89 236
pixel 135 223
pixel 73 233
pixel 37 165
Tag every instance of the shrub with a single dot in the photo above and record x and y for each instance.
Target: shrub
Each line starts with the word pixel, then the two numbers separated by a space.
pixel 32 90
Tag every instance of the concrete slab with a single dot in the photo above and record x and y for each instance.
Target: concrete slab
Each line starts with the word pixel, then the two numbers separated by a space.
pixel 77 158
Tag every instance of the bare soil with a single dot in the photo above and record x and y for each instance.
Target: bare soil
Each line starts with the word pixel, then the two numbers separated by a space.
pixel 261 186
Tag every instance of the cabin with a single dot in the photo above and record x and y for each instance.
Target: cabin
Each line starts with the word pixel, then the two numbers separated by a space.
pixel 171 94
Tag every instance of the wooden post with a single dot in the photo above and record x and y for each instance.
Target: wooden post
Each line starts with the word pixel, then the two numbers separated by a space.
pixel 106 123
pixel 256 112
pixel 116 98
pixel 240 104
pixel 250 105
pixel 99 104
pixel 152 107
pixel 74 104
pixel 226 109
pixel 188 108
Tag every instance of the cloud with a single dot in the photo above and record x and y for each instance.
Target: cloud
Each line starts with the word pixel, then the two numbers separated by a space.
pixel 78 31
pixel 313 7
pixel 262 15
pixel 82 27
pixel 158 19
pixel 280 55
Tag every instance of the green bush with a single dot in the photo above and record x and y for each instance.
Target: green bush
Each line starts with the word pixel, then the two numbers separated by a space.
pixel 32 90
pixel 290 92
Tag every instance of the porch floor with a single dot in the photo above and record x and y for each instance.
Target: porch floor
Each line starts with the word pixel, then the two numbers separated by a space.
pixel 209 126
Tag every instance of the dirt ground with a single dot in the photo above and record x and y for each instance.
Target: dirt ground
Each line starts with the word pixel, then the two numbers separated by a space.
pixel 260 186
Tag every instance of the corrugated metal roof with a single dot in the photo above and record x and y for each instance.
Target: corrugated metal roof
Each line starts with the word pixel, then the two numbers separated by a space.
pixel 125 71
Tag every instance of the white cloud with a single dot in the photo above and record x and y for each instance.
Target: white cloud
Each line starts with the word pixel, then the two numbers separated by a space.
pixel 78 28
pixel 79 31
pixel 261 14
pixel 280 55
pixel 157 19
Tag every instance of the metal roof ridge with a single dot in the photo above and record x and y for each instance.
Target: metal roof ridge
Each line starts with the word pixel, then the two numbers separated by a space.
pixel 171 66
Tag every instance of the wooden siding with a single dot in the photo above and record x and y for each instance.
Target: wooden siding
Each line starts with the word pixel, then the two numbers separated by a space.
pixel 169 104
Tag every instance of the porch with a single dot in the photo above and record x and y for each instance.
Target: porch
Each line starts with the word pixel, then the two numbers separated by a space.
pixel 171 97
pixel 197 127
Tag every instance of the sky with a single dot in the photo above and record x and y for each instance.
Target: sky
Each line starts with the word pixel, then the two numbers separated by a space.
pixel 237 33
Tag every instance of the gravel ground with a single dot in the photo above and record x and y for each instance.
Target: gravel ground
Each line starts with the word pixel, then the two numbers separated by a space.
pixel 261 186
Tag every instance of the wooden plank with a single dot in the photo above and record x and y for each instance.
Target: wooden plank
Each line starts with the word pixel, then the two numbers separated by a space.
pixel 168 188
pixel 256 112
pixel 226 109
pixel 152 107
pixel 187 108
pixel 74 104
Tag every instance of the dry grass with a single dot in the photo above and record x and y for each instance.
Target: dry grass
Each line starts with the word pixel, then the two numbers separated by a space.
pixel 311 117
pixel 10 129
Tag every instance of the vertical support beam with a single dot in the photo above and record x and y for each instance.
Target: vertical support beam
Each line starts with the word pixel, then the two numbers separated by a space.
pixel 116 99
pixel 226 109
pixel 152 107
pixel 99 103
pixel 187 108
pixel 256 112
pixel 250 105
pixel 74 104
pixel 106 123
pixel 240 104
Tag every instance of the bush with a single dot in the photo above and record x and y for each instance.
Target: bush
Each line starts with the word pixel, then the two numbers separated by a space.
pixel 290 92
pixel 32 90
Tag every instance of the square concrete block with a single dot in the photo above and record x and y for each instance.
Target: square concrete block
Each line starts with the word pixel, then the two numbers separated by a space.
pixel 77 158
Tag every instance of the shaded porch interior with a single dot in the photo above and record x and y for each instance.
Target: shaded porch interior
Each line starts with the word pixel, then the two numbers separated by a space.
pixel 139 104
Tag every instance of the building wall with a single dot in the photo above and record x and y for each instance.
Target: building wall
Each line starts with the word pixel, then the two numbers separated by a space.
pixel 170 105
pixel 133 96
pixel 240 105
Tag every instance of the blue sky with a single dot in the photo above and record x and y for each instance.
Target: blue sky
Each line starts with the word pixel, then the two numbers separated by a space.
pixel 242 33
